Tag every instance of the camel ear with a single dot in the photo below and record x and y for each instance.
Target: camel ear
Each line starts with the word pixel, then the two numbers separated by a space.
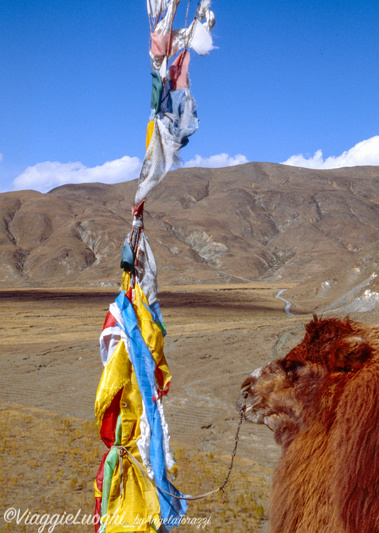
pixel 351 353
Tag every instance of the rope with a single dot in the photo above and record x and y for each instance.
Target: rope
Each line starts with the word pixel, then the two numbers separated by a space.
pixel 242 411
pixel 193 27
pixel 188 5
pixel 122 451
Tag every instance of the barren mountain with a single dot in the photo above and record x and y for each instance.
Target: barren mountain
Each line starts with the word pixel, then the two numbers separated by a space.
pixel 249 223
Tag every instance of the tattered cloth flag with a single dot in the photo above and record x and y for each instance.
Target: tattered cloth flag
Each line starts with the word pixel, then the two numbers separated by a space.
pixel 132 488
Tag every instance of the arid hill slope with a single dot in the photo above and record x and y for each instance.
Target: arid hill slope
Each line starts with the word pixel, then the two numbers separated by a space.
pixel 253 222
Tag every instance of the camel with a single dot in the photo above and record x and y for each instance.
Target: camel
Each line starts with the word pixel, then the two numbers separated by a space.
pixel 322 403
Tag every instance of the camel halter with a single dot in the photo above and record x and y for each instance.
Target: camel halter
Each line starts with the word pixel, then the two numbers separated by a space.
pixel 123 451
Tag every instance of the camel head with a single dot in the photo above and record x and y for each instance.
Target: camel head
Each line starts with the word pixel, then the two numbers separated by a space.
pixel 290 394
pixel 270 396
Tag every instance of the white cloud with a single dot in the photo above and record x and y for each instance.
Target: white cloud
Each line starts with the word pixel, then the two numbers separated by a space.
pixel 45 176
pixel 1 157
pixel 363 153
pixel 49 174
pixel 216 161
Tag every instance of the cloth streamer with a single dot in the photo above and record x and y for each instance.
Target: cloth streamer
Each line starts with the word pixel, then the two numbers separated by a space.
pixel 160 157
pixel 129 410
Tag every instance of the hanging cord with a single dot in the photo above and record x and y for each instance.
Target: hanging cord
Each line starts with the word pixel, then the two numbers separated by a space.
pixel 190 35
pixel 170 31
pixel 122 451
pixel 188 5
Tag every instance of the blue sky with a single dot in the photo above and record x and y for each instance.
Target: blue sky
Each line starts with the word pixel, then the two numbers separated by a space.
pixel 287 79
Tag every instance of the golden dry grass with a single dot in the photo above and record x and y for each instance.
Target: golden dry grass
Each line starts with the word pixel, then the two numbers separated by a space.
pixel 48 464
pixel 50 447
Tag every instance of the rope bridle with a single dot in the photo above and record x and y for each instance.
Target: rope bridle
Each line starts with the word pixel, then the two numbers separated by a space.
pixel 123 451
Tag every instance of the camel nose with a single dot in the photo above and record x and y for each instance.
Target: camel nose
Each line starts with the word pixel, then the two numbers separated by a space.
pixel 251 380
pixel 248 384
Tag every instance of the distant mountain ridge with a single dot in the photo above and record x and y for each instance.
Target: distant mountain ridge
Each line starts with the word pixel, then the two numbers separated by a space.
pixel 253 222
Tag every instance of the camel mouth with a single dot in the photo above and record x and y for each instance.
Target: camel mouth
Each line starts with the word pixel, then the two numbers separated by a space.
pixel 249 408
pixel 269 424
pixel 245 388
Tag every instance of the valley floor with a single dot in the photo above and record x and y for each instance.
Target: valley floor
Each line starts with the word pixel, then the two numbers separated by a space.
pixel 50 448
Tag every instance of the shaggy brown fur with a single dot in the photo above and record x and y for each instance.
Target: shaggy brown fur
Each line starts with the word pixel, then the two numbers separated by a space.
pixel 322 402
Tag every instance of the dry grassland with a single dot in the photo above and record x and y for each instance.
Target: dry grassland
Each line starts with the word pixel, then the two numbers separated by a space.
pixel 50 447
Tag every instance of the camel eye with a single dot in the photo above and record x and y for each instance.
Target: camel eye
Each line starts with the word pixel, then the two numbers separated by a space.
pixel 291 367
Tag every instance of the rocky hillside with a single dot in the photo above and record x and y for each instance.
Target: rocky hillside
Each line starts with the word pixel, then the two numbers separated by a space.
pixel 252 222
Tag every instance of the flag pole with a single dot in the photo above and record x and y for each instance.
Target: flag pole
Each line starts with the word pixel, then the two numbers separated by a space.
pixel 128 404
